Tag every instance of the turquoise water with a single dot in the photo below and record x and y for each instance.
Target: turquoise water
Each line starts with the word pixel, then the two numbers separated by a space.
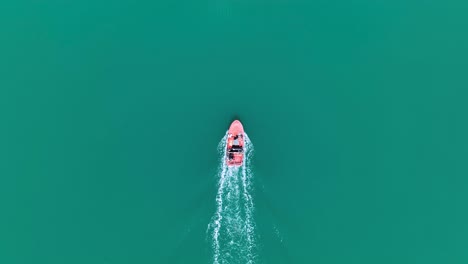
pixel 111 113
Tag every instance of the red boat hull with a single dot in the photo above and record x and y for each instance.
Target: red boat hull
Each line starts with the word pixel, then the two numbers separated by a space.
pixel 235 144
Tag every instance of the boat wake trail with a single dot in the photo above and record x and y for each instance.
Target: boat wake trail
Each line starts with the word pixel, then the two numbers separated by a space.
pixel 232 227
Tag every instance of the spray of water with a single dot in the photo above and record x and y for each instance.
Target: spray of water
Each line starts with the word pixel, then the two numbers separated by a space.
pixel 232 227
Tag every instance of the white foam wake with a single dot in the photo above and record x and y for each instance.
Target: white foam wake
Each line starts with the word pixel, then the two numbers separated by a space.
pixel 232 227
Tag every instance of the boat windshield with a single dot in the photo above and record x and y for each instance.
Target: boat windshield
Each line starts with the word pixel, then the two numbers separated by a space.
pixel 236 148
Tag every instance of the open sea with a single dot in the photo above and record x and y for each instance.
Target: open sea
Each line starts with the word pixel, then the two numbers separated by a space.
pixel 113 115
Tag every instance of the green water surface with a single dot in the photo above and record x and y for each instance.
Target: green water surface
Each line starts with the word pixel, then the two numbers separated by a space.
pixel 111 113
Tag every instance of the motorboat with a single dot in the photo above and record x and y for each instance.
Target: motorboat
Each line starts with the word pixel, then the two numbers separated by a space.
pixel 235 144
